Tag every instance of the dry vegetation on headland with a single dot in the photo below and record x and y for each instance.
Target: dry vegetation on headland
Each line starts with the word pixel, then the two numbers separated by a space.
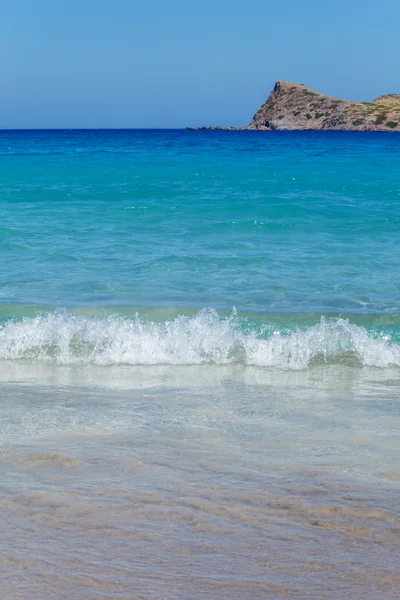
pixel 293 106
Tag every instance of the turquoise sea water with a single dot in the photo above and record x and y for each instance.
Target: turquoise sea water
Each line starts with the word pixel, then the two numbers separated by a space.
pixel 200 342
pixel 304 222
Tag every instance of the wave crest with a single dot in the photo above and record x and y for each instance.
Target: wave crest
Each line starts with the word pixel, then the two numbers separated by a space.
pixel 205 338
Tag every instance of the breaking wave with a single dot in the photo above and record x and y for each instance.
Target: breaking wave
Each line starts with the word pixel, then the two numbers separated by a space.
pixel 205 338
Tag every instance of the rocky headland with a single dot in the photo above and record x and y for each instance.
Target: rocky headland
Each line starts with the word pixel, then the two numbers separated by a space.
pixel 295 107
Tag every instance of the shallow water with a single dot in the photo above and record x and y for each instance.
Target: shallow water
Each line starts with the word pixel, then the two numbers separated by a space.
pixel 196 481
pixel 199 365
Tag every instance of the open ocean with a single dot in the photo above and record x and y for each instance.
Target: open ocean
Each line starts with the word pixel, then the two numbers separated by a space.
pixel 199 365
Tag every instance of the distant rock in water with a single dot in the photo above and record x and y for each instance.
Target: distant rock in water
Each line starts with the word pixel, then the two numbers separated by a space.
pixel 295 107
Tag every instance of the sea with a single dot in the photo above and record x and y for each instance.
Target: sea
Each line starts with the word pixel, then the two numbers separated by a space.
pixel 199 365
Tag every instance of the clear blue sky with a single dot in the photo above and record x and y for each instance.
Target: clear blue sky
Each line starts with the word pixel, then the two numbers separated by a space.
pixel 171 63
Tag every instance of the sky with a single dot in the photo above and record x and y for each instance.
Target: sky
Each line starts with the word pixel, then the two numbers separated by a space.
pixel 172 63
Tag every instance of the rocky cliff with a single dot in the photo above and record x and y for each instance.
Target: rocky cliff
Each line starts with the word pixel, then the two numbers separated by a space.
pixel 293 106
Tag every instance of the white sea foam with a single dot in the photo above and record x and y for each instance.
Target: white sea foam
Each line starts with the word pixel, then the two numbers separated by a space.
pixel 205 338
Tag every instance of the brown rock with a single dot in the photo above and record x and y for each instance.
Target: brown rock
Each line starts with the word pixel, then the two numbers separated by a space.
pixel 292 106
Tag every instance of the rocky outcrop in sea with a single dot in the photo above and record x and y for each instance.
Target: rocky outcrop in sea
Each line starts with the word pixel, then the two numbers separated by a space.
pixel 293 106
